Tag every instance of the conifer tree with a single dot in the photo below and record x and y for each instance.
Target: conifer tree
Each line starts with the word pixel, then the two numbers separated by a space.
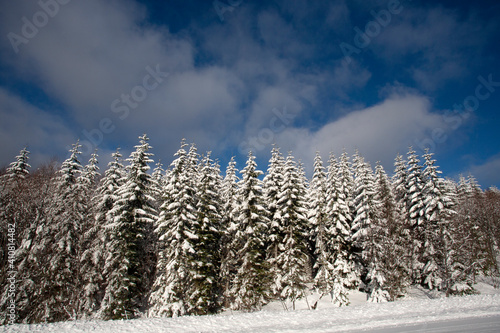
pixel 177 231
pixel 158 173
pixel 31 197
pixel 87 182
pixel 229 194
pixel 158 183
pixel 17 171
pixel 414 201
pixel 189 242
pixel 338 204
pixel 437 255
pixel 291 275
pixel 126 268
pixel 272 188
pixel 491 207
pixel 60 244
pixel 99 235
pixel 388 275
pixel 250 285
pixel 321 225
pixel 229 191
pixel 11 185
pixel 303 183
pixel 325 237
pixel 468 229
pixel 90 174
pixel 480 229
pixel 12 219
pixel 204 296
pixel 399 180
pixel 365 207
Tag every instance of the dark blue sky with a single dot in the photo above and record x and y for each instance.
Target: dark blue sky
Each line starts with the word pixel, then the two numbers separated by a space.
pixel 377 76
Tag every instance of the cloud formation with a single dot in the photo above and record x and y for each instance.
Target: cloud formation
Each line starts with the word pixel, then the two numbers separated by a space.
pixel 378 132
pixel 221 80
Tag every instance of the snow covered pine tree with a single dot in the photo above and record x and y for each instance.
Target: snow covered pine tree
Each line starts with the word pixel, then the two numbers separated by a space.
pixel 250 285
pixel 133 214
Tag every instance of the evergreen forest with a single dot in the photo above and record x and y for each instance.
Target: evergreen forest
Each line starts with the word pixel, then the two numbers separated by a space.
pixel 135 239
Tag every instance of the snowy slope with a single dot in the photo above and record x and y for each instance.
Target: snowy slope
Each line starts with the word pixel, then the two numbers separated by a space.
pixel 418 310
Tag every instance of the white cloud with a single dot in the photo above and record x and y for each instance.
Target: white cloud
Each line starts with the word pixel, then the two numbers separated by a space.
pixel 378 132
pixel 92 52
pixel 225 79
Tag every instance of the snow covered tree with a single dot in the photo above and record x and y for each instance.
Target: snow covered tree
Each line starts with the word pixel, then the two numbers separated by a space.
pixel 272 187
pixel 481 225
pixel 90 174
pixel 85 248
pixel 228 228
pixel 438 237
pixel 250 285
pixel 88 183
pixel 399 180
pixel 126 267
pixel 204 295
pixel 303 182
pixel 177 231
pixel 291 272
pixel 365 207
pixel 158 183
pixel 414 201
pixel 68 214
pixel 320 224
pixel 17 171
pixel 158 173
pixel 339 196
pixel 32 198
pixel 11 186
pixel 13 220
pixel 229 191
pixel 99 236
pixel 469 236
pixel 491 207
pixel 60 245
pixel 388 275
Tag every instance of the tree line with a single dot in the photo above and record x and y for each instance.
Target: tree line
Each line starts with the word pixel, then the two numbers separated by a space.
pixel 189 241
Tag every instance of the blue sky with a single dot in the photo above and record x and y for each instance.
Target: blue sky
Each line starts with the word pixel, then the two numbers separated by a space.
pixel 377 76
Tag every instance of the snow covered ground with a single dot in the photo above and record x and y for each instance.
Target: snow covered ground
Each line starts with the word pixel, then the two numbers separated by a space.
pixel 421 311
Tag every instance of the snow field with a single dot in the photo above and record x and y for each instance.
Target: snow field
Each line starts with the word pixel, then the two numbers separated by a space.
pixel 417 309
